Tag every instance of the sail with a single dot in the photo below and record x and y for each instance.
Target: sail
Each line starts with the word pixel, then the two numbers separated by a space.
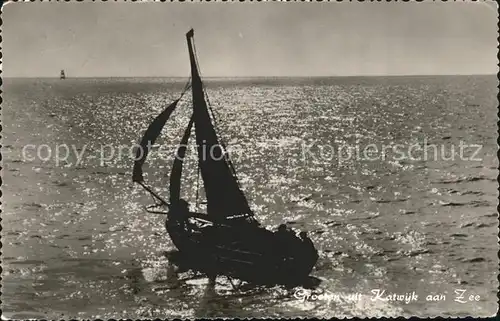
pixel 149 139
pixel 224 196
pixel 176 173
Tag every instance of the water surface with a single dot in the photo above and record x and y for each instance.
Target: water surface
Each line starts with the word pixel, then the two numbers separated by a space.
pixel 78 244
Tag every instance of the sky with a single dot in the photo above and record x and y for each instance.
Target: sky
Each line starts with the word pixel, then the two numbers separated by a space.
pixel 110 39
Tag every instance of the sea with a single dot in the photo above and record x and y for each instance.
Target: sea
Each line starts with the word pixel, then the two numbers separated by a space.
pixel 393 178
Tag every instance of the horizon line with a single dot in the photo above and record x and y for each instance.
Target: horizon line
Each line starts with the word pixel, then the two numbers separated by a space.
pixel 276 77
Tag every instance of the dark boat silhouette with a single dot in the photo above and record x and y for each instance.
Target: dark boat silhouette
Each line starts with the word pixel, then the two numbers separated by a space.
pixel 227 239
pixel 62 75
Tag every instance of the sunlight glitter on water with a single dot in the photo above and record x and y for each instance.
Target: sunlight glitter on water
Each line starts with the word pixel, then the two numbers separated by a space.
pixel 375 223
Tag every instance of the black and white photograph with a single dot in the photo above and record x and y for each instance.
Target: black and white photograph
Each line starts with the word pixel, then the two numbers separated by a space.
pixel 182 160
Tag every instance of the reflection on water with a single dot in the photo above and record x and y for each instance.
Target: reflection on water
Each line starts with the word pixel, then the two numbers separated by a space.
pixel 78 243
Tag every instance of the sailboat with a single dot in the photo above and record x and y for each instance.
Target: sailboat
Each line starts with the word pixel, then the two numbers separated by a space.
pixel 63 75
pixel 227 239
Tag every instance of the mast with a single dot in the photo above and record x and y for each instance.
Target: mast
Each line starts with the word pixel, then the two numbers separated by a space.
pixel 176 173
pixel 224 196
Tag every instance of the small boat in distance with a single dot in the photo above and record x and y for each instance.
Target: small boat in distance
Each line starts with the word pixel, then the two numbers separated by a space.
pixel 227 239
pixel 62 75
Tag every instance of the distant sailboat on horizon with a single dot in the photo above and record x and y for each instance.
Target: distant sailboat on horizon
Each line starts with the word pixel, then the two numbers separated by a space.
pixel 63 75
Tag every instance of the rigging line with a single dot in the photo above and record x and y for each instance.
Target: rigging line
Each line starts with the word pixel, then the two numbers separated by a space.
pixel 153 193
pixel 186 88
pixel 204 90
pixel 216 115
pixel 231 166
pixel 206 94
pixel 213 113
pixel 222 141
pixel 197 186
pixel 154 199
pixel 196 56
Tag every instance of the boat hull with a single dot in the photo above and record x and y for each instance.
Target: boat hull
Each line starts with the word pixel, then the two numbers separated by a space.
pixel 242 251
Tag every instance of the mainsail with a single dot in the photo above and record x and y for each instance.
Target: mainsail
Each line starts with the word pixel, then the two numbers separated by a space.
pixel 149 139
pixel 224 196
